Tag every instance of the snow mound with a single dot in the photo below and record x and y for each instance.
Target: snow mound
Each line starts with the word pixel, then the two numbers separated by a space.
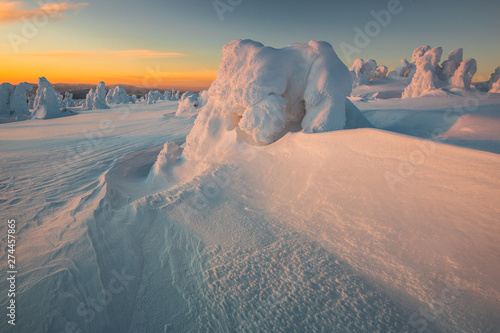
pixel 118 95
pixel 48 102
pixel 96 99
pixel 191 103
pixel 261 93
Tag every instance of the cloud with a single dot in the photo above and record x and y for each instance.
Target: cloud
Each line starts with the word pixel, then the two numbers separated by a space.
pixel 106 55
pixel 15 11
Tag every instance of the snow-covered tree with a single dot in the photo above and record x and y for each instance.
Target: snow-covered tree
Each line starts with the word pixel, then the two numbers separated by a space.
pixel 48 101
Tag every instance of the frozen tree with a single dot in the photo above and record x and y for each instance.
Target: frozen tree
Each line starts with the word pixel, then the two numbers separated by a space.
pixel 100 97
pixel 463 75
pixel 89 100
pixel 68 100
pixel 153 96
pixel 448 67
pixel 380 72
pixel 117 95
pixel 362 72
pixel 48 101
pixel 6 89
pixel 425 77
pixel 167 95
pixel 96 99
pixel 402 67
pixel 19 99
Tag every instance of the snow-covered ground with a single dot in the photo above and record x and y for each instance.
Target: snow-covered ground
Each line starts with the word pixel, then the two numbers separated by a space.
pixel 393 229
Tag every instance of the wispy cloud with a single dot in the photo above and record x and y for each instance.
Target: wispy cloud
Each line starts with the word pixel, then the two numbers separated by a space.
pixel 15 11
pixel 106 55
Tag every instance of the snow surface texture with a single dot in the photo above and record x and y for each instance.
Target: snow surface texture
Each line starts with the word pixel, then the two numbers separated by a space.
pixel 262 93
pixel 427 76
pixel 191 103
pixel 96 99
pixel 118 95
pixel 304 235
pixel 48 102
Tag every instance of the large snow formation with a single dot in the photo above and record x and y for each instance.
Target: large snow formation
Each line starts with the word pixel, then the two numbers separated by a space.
pixel 48 102
pixel 96 99
pixel 425 78
pixel 261 93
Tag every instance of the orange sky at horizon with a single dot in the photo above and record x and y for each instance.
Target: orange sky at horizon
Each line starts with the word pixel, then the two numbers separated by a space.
pixel 141 68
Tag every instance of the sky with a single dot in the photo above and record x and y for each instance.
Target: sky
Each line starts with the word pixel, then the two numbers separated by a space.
pixel 178 43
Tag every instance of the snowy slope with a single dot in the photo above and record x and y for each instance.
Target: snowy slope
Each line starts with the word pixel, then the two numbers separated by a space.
pixel 316 232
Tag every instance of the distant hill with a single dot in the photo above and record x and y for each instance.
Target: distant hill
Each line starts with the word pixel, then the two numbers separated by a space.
pixel 80 90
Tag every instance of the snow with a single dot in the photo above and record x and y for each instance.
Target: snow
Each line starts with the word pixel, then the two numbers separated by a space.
pixel 261 93
pixel 425 78
pixel 6 90
pixel 362 72
pixel 153 96
pixel 96 98
pixel 402 68
pixel 48 102
pixel 191 103
pixel 450 66
pixel 118 95
pixel 68 100
pixel 495 88
pixel 462 77
pixel 386 229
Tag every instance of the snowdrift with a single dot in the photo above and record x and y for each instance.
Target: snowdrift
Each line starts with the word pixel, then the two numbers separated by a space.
pixel 261 93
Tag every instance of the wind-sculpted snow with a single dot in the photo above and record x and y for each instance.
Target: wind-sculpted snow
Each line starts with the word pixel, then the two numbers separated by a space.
pixel 261 93
pixel 118 95
pixel 191 103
